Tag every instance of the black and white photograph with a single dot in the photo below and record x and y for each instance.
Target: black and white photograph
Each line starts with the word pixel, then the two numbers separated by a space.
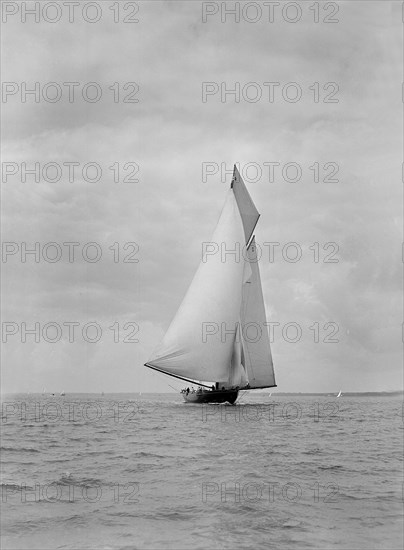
pixel 202 275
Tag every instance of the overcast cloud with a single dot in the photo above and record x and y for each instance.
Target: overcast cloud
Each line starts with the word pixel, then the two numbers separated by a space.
pixel 170 211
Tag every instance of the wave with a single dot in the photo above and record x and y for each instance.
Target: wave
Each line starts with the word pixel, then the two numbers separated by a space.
pixel 312 452
pixel 142 454
pixel 291 524
pixel 69 479
pixel 20 449
pixel 13 486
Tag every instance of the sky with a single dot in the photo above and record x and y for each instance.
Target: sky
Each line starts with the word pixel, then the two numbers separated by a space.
pixel 180 145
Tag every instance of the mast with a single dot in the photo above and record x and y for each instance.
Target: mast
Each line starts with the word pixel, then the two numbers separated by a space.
pixel 256 355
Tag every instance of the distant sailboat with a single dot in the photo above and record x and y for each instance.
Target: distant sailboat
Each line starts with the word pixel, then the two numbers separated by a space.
pixel 339 394
pixel 62 392
pixel 227 296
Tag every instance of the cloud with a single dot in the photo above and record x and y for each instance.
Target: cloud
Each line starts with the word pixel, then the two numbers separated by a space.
pixel 169 133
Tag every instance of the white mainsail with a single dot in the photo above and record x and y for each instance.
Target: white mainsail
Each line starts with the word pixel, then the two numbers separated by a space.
pixel 257 349
pixel 199 342
pixel 206 341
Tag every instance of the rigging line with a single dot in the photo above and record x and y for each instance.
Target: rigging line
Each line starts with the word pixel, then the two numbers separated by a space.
pixel 165 380
pixel 176 389
pixel 241 397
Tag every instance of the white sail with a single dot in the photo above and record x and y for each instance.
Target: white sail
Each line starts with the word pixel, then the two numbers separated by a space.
pixel 257 350
pixel 248 211
pixel 237 374
pixel 200 340
pixel 209 339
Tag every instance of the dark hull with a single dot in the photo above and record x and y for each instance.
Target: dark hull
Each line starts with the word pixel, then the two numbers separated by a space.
pixel 216 396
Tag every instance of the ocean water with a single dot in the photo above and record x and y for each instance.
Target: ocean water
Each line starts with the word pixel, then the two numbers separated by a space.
pixel 149 472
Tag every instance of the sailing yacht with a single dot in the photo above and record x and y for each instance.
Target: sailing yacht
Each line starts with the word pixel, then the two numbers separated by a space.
pixel 208 343
pixel 339 394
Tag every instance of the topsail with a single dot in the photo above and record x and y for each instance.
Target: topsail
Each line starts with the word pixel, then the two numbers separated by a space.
pixel 249 213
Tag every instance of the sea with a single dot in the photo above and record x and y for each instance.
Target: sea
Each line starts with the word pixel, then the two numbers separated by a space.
pixel 148 471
